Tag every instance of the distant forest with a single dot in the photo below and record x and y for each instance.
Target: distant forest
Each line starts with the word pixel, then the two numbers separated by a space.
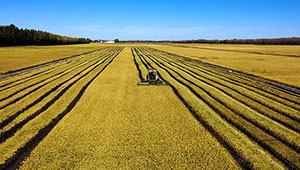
pixel 262 41
pixel 12 35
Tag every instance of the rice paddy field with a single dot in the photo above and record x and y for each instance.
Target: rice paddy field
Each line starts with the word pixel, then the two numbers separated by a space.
pixel 276 62
pixel 87 111
pixel 14 58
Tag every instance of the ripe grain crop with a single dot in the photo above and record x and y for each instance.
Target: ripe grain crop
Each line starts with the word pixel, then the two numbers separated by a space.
pixel 279 63
pixel 138 128
pixel 246 119
pixel 24 128
pixel 87 112
pixel 14 58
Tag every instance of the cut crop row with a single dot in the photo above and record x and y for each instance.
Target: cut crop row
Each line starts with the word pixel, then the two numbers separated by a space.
pixel 284 136
pixel 51 69
pixel 180 93
pixel 286 119
pixel 230 114
pixel 52 89
pixel 48 79
pixel 38 95
pixel 69 100
pixel 43 70
pixel 250 84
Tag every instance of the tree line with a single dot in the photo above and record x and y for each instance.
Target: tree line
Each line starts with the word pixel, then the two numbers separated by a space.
pixel 261 41
pixel 12 35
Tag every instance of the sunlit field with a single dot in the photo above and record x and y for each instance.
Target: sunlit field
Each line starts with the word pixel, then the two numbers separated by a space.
pixel 87 111
pixel 13 58
pixel 279 63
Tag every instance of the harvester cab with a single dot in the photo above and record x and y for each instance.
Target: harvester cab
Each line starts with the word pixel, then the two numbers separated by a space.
pixel 152 78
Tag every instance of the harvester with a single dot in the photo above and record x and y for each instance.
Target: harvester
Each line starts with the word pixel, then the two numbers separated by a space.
pixel 152 78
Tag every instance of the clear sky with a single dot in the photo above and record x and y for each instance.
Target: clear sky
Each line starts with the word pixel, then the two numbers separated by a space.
pixel 156 19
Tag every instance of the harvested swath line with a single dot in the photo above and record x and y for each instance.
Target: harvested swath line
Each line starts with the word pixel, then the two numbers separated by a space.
pixel 278 137
pixel 15 161
pixel 142 67
pixel 272 109
pixel 282 101
pixel 291 145
pixel 9 133
pixel 238 51
pixel 29 77
pixel 261 143
pixel 192 60
pixel 284 90
pixel 210 72
pixel 39 82
pixel 20 83
pixel 137 52
pixel 28 93
pixel 220 79
pixel 255 105
pixel 35 74
pixel 46 72
pixel 142 57
pixel 57 68
pixel 217 111
pixel 188 60
pixel 211 66
pixel 45 64
pixel 137 67
pixel 243 162
pixel 12 117
pixel 290 89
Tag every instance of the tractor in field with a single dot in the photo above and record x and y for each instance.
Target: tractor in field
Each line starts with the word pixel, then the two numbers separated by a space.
pixel 152 78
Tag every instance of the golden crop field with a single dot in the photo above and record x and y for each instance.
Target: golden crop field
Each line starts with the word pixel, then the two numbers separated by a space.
pixel 13 58
pixel 276 62
pixel 87 111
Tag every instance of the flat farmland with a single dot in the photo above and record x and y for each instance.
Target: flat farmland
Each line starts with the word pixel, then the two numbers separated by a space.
pixel 13 58
pixel 280 50
pixel 87 112
pixel 275 62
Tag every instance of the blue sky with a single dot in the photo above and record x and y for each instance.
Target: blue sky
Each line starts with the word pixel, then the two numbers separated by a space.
pixel 156 19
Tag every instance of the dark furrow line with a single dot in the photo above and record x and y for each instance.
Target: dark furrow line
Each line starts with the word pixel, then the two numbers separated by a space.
pixel 20 83
pixel 237 51
pixel 273 134
pixel 35 74
pixel 146 65
pixel 137 67
pixel 257 109
pixel 33 78
pixel 241 75
pixel 9 133
pixel 12 117
pixel 20 90
pixel 45 64
pixel 238 157
pixel 15 115
pixel 217 67
pixel 242 129
pixel 65 70
pixel 26 94
pixel 15 161
pixel 233 81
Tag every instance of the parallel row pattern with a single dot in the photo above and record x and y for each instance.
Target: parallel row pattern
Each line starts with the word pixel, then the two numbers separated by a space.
pixel 267 118
pixel 32 104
